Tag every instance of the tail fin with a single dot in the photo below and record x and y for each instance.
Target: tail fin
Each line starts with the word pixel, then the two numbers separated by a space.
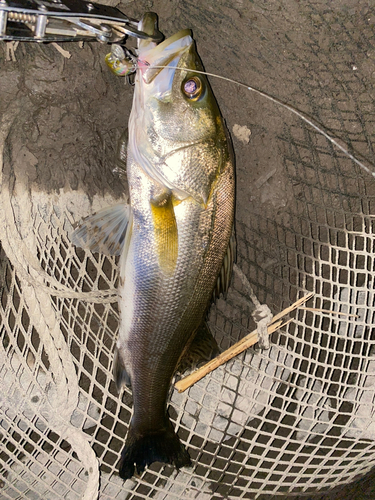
pixel 142 450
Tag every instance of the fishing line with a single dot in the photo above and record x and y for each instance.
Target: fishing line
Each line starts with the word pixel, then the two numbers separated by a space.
pixel 290 108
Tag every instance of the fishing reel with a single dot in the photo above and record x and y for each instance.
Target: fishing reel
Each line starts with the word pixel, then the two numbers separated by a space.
pixel 66 21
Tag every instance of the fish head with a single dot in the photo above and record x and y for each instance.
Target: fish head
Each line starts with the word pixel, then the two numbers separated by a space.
pixel 178 87
pixel 183 142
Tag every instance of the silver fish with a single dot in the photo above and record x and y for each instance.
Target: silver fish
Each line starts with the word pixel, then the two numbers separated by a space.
pixel 174 238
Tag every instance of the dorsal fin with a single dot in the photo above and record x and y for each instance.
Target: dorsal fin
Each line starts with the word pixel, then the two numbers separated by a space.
pixel 225 275
pixel 201 349
pixel 104 232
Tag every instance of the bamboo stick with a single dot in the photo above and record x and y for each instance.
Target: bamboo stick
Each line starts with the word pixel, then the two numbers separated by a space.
pixel 294 306
pixel 225 356
pixel 236 349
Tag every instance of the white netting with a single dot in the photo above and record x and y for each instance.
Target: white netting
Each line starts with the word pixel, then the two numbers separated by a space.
pixel 295 418
pixel 291 420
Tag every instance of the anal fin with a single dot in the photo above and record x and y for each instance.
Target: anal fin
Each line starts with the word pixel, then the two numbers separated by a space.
pixel 120 374
pixel 201 349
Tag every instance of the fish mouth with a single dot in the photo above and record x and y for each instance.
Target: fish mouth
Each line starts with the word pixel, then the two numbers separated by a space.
pixel 167 53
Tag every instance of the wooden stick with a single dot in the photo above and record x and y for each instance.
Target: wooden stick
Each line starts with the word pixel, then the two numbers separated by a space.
pixel 225 356
pixel 237 348
pixel 294 306
pixel 62 51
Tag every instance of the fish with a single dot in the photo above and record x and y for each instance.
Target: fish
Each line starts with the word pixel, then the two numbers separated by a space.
pixel 175 238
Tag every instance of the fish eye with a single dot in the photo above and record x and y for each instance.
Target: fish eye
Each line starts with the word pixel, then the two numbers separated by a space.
pixel 192 88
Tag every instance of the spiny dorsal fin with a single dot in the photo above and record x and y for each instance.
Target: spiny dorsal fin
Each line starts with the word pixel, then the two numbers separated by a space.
pixel 202 349
pixel 104 232
pixel 225 275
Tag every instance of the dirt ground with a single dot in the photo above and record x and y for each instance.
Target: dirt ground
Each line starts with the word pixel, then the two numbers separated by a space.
pixel 317 56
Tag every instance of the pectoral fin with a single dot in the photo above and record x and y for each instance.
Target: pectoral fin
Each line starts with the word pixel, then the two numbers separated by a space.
pixel 202 349
pixel 165 232
pixel 104 232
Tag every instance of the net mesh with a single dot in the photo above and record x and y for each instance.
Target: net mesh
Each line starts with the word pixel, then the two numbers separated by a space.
pixel 290 420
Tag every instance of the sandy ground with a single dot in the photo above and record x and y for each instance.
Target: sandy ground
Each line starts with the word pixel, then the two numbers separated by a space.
pixel 319 57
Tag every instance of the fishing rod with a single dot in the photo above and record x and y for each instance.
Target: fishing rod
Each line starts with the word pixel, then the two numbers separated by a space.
pixel 66 21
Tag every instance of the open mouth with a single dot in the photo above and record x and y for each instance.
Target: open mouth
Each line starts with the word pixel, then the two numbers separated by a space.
pixel 152 60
